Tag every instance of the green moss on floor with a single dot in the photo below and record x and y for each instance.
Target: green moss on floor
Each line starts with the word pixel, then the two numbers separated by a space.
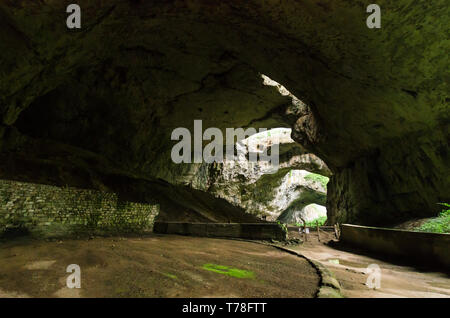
pixel 225 270
pixel 170 275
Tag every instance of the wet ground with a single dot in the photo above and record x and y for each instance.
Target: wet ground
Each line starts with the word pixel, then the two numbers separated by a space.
pixel 154 266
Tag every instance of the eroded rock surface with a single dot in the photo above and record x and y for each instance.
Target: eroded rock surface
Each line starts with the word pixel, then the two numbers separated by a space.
pixel 272 194
pixel 264 188
pixel 309 213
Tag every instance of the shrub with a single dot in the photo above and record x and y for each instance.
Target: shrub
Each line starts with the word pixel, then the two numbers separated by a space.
pixel 321 220
pixel 283 226
pixel 441 224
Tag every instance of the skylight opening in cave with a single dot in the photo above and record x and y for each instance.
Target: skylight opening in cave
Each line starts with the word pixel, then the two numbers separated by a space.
pixel 301 193
pixel 256 145
pixel 301 197
pixel 260 140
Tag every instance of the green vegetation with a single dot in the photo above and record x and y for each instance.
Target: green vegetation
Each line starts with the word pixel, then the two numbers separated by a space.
pixel 225 270
pixel 321 220
pixel 283 226
pixel 170 275
pixel 318 178
pixel 441 224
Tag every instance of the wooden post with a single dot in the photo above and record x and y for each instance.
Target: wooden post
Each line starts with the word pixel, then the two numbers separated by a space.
pixel 318 233
pixel 304 231
pixel 336 231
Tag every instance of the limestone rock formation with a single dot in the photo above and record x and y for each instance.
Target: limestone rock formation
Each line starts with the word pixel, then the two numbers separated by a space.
pixel 271 195
pixel 309 213
pixel 263 188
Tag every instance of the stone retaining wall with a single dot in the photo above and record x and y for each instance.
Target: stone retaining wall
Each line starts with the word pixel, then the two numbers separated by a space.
pixel 50 211
pixel 430 248
pixel 255 231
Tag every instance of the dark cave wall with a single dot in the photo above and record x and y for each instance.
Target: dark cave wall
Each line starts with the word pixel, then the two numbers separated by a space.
pixel 401 181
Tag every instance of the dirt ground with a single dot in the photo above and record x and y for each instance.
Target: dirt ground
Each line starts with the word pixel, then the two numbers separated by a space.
pixel 154 266
pixel 350 269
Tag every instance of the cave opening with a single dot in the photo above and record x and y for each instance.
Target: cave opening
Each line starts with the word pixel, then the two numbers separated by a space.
pixel 292 191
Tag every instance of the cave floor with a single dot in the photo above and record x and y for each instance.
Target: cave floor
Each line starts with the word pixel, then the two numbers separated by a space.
pixel 153 266
pixel 397 280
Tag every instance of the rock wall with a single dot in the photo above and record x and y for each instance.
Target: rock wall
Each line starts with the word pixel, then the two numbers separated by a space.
pixel 309 213
pixel 49 211
pixel 263 188
pixel 405 179
pixel 271 195
pixel 255 186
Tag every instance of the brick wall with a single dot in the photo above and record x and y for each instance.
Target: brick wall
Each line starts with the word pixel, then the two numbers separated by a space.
pixel 49 211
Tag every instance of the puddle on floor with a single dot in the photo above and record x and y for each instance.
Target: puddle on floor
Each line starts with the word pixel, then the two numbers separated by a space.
pixel 339 261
